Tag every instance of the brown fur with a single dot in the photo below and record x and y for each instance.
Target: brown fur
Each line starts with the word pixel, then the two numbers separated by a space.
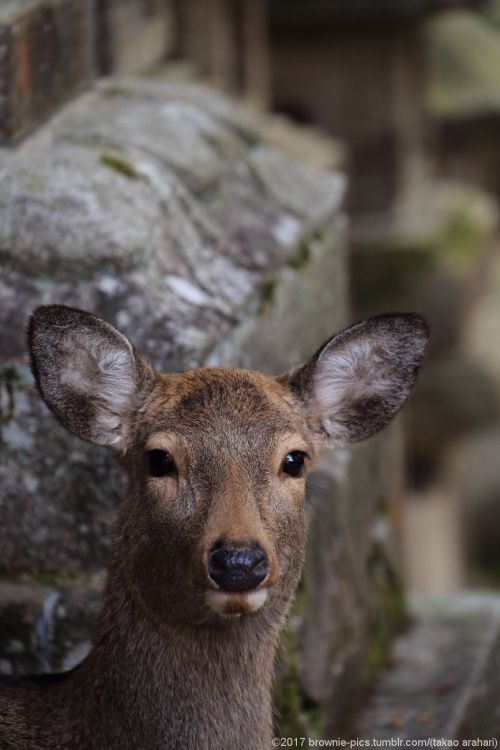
pixel 167 670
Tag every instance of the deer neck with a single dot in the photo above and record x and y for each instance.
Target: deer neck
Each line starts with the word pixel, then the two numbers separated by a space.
pixel 186 686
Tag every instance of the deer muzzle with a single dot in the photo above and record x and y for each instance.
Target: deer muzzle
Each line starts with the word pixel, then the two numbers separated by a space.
pixel 234 568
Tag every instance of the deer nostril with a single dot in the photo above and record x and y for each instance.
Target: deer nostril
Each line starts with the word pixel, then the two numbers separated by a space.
pixel 237 568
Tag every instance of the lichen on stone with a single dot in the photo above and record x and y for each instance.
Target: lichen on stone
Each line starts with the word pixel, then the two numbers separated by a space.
pixel 302 258
pixel 120 165
pixel 267 293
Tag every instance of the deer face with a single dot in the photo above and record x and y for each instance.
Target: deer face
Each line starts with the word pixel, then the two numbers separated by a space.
pixel 213 525
pixel 220 458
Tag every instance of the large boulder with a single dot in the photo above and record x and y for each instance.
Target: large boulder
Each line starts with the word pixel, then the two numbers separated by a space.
pixel 160 207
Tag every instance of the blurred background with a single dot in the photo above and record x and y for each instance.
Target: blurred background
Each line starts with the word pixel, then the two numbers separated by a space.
pixel 247 119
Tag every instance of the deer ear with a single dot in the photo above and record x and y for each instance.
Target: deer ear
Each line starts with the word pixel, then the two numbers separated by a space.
pixel 87 372
pixel 358 380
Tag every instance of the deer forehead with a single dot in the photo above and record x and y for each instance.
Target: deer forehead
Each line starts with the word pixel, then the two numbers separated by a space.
pixel 219 408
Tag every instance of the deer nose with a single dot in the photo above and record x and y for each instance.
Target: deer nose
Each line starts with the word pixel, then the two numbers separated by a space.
pixel 235 568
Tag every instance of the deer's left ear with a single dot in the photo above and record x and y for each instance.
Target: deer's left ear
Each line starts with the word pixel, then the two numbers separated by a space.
pixel 88 373
pixel 359 379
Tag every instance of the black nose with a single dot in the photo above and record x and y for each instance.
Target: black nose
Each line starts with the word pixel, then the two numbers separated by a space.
pixel 237 568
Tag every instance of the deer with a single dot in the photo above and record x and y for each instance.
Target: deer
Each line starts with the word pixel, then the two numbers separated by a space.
pixel 209 540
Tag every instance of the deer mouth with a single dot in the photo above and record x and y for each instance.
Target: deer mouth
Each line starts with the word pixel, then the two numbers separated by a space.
pixel 236 603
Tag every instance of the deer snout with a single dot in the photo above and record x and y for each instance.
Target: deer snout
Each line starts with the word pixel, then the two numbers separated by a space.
pixel 237 568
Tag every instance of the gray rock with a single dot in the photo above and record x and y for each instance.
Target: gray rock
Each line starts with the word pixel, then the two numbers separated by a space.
pixel 160 207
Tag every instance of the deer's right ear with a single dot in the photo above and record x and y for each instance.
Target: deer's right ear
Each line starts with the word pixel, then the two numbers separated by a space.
pixel 359 379
pixel 88 372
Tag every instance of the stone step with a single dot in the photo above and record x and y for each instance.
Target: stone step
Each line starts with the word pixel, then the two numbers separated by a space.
pixel 51 51
pixel 443 679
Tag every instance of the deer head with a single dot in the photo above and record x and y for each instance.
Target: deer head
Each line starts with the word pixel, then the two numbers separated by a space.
pixel 213 525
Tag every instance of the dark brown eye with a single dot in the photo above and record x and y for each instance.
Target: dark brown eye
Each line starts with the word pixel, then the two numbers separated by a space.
pixel 293 463
pixel 160 463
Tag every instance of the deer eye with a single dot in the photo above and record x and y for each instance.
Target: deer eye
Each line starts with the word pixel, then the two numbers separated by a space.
pixel 293 463
pixel 160 463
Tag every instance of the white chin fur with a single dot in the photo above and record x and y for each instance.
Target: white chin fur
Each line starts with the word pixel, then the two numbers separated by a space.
pixel 236 603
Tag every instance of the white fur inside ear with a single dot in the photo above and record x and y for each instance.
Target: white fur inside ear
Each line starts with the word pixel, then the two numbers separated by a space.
pixel 358 370
pixel 104 374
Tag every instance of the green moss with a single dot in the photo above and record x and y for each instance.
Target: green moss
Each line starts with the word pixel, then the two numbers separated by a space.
pixel 462 235
pixel 461 221
pixel 320 235
pixel 287 691
pixel 486 574
pixel 44 578
pixel 302 257
pixel 267 295
pixel 395 271
pixel 492 13
pixel 389 616
pixel 463 54
pixel 207 194
pixel 116 91
pixel 55 579
pixel 34 181
pixel 119 165
pixel 297 716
